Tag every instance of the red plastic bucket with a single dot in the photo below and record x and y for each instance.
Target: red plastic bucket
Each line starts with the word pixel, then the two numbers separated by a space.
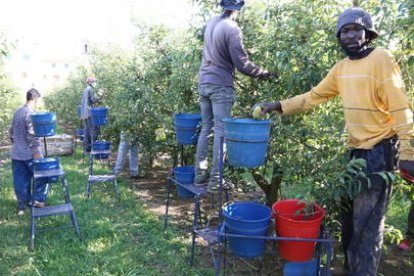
pixel 293 220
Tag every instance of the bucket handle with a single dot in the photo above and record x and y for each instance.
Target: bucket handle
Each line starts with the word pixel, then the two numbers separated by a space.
pixel 247 141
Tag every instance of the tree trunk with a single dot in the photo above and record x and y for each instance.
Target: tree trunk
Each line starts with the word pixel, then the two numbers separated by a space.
pixel 272 190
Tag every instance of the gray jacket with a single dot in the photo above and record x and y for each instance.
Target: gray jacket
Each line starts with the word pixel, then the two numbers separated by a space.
pixel 223 52
pixel 21 132
pixel 88 99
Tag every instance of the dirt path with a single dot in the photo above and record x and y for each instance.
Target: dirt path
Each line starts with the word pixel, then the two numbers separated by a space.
pixel 152 190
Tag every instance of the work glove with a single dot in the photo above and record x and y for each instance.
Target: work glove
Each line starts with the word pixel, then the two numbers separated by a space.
pixel 269 75
pixel 269 107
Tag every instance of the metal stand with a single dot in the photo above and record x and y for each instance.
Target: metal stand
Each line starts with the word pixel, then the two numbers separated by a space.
pixel 54 210
pixel 199 192
pixel 45 144
pixel 217 238
pixel 80 138
pixel 95 179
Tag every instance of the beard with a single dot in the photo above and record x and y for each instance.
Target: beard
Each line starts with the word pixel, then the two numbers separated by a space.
pixel 356 50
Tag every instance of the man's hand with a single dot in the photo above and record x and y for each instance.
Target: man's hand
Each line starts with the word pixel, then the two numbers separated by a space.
pixel 269 107
pixel 269 75
pixel 37 155
pixel 407 168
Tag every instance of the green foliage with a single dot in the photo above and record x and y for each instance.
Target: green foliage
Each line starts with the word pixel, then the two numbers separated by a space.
pixel 118 238
pixel 145 87
pixel 64 101
pixel 7 94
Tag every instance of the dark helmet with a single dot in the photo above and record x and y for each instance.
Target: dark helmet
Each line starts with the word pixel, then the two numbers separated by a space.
pixel 232 4
pixel 358 16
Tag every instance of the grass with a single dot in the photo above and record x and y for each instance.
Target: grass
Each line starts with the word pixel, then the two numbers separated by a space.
pixel 118 237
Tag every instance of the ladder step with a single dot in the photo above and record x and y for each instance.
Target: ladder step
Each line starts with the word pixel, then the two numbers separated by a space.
pixel 101 178
pixel 54 210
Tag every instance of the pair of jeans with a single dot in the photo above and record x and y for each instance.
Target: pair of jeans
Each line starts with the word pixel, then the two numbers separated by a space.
pixel 410 223
pixel 215 105
pixel 91 133
pixel 363 222
pixel 126 146
pixel 22 178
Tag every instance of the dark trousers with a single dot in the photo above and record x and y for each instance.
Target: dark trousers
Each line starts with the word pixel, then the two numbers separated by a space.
pixel 91 133
pixel 363 222
pixel 410 224
pixel 22 177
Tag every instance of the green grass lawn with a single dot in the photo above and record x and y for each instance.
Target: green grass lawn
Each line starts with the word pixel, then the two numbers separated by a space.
pixel 118 237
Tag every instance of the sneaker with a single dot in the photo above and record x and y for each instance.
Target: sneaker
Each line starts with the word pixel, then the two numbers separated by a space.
pixel 201 179
pixel 405 245
pixel 39 204
pixel 214 186
pixel 21 208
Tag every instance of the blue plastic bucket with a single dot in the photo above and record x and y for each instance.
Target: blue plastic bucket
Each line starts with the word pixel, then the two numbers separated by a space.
pixel 246 218
pixel 99 115
pixel 246 141
pixel 308 268
pixel 47 164
pixel 184 175
pixel 101 145
pixel 80 132
pixel 186 125
pixel 44 123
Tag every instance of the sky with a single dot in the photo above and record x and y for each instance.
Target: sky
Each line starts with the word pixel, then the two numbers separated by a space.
pixel 57 26
pixel 49 35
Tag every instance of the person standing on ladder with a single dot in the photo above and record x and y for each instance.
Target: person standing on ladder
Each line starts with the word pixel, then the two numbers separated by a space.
pixel 88 100
pixel 26 148
pixel 223 52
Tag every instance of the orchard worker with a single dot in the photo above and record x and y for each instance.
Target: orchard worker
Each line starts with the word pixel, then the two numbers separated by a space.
pixel 223 52
pixel 127 145
pixel 25 148
pixel 88 101
pixel 377 115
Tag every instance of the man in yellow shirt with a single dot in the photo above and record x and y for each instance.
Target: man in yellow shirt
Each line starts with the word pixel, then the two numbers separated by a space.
pixel 378 115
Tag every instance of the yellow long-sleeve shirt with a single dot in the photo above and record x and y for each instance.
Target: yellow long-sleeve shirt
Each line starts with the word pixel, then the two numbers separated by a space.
pixel 373 97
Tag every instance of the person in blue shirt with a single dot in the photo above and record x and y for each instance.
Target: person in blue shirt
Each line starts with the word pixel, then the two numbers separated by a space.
pixel 26 148
pixel 88 100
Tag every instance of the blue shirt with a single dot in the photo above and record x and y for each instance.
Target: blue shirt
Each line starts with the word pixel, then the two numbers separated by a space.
pixel 88 99
pixel 25 144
